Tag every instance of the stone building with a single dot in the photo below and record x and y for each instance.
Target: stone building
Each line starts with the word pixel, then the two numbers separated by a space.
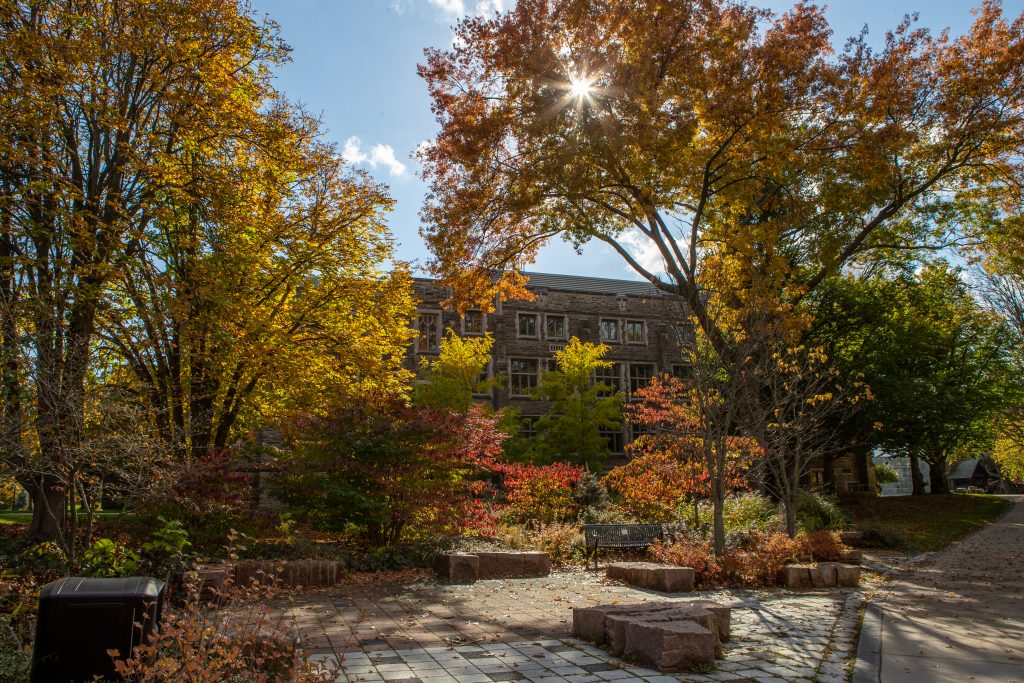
pixel 645 329
pixel 640 324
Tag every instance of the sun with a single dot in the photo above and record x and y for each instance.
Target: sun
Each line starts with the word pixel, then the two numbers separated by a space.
pixel 581 87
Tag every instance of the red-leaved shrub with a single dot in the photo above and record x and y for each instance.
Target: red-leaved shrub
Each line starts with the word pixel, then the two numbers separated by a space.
pixel 540 493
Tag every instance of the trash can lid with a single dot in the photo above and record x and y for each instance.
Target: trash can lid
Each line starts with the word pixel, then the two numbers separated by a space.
pixel 137 586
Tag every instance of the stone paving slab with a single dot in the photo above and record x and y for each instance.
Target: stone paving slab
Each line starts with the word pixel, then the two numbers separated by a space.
pixel 520 629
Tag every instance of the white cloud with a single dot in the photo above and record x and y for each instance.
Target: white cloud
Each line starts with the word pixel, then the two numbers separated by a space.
pixel 379 155
pixel 453 7
pixel 643 250
pixel 458 8
pixel 487 7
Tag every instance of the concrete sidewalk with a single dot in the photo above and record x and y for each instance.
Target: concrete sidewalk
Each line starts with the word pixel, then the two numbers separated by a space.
pixel 957 616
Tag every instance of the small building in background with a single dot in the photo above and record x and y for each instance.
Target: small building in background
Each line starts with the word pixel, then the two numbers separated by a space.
pixel 901 465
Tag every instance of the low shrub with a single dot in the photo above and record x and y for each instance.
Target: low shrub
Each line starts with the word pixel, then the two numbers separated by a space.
pixel 167 552
pixel 823 545
pixel 652 486
pixel 751 511
pixel 46 556
pixel 816 512
pixel 752 558
pixel 608 514
pixel 541 493
pixel 698 555
pixel 107 558
pixel 563 542
pixel 15 654
pixel 513 537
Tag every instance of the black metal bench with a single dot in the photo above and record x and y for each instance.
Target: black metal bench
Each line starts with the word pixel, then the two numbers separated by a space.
pixel 619 536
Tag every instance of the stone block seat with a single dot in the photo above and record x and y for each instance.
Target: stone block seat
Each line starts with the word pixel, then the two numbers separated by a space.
pixel 670 636
pixel 822 575
pixel 656 577
pixel 469 567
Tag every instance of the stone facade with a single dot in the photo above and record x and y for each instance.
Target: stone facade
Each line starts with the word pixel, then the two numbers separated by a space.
pixel 651 329
pixel 641 325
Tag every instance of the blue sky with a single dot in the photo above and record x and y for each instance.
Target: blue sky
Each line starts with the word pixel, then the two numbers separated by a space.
pixel 354 63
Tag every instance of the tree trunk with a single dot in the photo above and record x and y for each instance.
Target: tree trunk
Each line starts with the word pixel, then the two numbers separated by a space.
pixel 49 509
pixel 937 475
pixel 789 503
pixel 915 477
pixel 718 507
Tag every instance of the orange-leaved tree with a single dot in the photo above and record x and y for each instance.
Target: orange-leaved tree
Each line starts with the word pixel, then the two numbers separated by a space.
pixel 688 451
pixel 712 130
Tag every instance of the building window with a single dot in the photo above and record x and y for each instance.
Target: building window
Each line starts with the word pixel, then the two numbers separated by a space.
pixel 428 326
pixel 473 323
pixel 640 375
pixel 683 373
pixel 554 326
pixel 528 426
pixel 611 377
pixel 634 332
pixel 527 325
pixel 610 331
pixel 522 376
pixel 614 438
pixel 480 386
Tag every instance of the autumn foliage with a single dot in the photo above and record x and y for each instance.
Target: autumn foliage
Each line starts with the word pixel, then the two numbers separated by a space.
pixel 671 462
pixel 540 493
pixel 391 472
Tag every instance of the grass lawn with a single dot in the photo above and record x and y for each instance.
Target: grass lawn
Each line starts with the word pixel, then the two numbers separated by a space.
pixel 26 517
pixel 926 522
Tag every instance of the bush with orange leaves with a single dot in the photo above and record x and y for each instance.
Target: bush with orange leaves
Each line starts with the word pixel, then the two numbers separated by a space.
pixel 824 545
pixel 754 561
pixel 698 555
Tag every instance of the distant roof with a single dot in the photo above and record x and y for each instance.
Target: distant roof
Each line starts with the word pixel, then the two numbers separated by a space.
pixel 589 285
pixel 593 285
pixel 965 470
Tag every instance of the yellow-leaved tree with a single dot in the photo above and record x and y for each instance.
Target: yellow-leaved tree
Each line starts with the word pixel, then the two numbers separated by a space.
pixel 163 209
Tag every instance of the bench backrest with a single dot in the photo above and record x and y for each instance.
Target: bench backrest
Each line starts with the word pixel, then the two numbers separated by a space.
pixel 622 535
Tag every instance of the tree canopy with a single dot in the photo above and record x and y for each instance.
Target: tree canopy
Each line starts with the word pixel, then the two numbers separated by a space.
pixel 754 158
pixel 174 236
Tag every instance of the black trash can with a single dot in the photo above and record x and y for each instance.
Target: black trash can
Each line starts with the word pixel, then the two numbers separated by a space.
pixel 80 619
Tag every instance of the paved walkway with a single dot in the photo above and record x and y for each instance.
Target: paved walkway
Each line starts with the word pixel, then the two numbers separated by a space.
pixel 507 630
pixel 956 616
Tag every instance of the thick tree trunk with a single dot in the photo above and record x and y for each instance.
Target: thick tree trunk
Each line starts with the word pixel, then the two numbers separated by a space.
pixel 49 510
pixel 915 477
pixel 937 475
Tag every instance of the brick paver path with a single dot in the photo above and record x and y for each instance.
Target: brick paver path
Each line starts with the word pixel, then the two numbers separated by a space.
pixel 959 614
pixel 506 630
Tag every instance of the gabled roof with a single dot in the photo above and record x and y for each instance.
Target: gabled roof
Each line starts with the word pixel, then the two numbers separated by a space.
pixel 965 470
